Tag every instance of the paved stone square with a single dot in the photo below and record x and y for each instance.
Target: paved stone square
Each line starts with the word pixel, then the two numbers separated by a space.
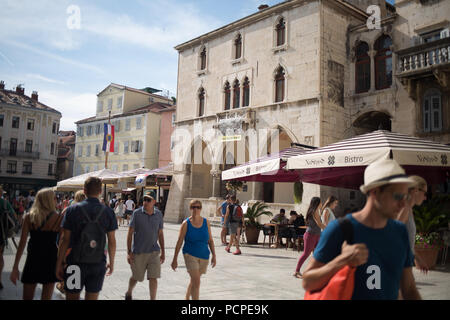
pixel 258 274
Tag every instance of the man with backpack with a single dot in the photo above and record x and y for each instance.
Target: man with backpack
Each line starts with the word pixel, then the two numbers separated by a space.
pixel 373 244
pixel 234 219
pixel 87 226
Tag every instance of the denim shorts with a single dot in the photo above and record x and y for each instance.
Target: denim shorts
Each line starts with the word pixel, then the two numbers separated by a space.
pixel 91 277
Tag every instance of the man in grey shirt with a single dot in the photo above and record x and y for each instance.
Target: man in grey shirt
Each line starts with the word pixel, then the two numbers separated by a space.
pixel 144 253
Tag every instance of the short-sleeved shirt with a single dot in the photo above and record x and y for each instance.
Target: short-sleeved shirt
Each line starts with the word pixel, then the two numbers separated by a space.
pixel 129 204
pixel 389 255
pixel 411 228
pixel 281 219
pixel 223 207
pixel 75 221
pixel 146 230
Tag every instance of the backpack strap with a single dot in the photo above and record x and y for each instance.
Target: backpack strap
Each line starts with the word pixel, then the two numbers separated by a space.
pixel 87 216
pixel 347 229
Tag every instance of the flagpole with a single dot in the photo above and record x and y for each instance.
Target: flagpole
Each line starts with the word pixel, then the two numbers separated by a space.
pixel 106 151
pixel 106 165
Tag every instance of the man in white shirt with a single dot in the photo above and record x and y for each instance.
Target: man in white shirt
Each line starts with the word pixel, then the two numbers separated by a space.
pixel 130 206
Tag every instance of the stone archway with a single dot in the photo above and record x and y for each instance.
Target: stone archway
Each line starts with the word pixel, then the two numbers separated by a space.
pixel 372 121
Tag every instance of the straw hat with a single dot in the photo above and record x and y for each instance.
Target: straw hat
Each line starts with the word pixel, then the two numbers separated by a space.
pixel 384 172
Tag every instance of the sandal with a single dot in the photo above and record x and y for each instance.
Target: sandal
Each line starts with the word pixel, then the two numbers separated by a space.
pixel 60 287
pixel 298 275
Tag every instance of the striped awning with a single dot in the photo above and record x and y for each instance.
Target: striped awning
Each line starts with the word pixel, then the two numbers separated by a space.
pixel 267 168
pixel 343 163
pixel 365 149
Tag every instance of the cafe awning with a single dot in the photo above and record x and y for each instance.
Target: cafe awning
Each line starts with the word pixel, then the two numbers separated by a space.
pixel 342 164
pixel 76 183
pixel 266 169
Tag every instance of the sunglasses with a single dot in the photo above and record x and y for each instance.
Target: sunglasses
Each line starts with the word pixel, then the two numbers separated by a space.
pixel 400 196
pixel 196 207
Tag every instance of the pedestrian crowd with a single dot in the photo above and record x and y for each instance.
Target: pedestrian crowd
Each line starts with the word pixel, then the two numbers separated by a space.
pixel 76 248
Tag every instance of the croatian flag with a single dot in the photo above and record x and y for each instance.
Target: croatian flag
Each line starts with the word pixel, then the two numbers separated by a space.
pixel 108 139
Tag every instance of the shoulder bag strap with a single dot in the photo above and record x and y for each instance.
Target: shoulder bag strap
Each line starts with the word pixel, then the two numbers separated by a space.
pixel 347 229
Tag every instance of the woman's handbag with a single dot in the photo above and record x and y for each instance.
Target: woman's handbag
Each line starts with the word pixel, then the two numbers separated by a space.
pixel 342 284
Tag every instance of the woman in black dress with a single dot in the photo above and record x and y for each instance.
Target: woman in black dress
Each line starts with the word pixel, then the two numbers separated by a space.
pixel 43 225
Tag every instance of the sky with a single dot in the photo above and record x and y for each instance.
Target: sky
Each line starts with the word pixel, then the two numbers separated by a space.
pixel 70 50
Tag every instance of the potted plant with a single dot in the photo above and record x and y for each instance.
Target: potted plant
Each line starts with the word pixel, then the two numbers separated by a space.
pixel 252 226
pixel 429 219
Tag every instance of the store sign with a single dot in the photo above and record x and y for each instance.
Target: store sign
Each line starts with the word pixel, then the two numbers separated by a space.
pixel 237 137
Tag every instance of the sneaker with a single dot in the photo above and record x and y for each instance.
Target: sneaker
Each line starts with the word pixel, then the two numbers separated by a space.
pixel 128 297
pixel 237 252
pixel 227 249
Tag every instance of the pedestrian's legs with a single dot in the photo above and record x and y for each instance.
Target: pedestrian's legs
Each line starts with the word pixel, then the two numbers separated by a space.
pixel 310 241
pixel 131 285
pixel 28 291
pixel 223 235
pixel 47 291
pixel 188 292
pixel 195 284
pixel 2 263
pixel 91 296
pixel 153 288
pixel 73 296
pixel 232 239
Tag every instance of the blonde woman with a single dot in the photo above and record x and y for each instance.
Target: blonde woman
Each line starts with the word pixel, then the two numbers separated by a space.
pixel 328 210
pixel 196 234
pixel 43 225
pixel 416 196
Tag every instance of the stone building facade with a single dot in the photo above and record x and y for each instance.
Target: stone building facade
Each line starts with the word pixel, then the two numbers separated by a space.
pixel 28 141
pixel 136 117
pixel 66 154
pixel 316 72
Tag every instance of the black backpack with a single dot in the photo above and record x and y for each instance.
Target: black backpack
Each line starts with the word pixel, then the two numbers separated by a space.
pixel 91 248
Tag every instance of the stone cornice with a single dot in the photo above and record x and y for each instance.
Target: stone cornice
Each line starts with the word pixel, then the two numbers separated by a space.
pixel 263 14
pixel 246 109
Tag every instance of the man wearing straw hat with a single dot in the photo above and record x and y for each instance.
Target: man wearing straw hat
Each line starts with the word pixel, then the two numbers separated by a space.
pixel 380 253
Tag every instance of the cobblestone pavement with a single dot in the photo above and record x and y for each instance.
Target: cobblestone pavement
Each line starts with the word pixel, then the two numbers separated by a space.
pixel 258 274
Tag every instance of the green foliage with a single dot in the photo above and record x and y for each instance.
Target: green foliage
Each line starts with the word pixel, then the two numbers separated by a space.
pixel 430 240
pixel 298 192
pixel 429 218
pixel 234 185
pixel 253 212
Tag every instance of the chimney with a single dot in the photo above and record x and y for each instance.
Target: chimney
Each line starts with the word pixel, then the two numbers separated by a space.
pixel 20 90
pixel 2 85
pixel 262 7
pixel 34 96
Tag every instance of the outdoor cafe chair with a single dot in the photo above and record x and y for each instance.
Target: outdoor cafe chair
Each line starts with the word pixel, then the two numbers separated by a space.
pixel 270 232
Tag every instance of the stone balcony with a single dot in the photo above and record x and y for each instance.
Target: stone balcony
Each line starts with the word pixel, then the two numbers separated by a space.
pixel 423 59
pixel 19 154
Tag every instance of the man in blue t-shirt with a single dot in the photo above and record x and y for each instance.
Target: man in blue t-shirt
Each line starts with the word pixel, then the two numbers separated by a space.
pixel 222 210
pixel 77 275
pixel 381 250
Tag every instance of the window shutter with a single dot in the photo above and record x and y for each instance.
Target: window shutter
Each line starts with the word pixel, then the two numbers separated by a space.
pixel 436 117
pixel 426 115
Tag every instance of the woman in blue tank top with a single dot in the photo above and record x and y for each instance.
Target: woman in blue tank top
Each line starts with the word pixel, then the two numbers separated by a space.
pixel 195 232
